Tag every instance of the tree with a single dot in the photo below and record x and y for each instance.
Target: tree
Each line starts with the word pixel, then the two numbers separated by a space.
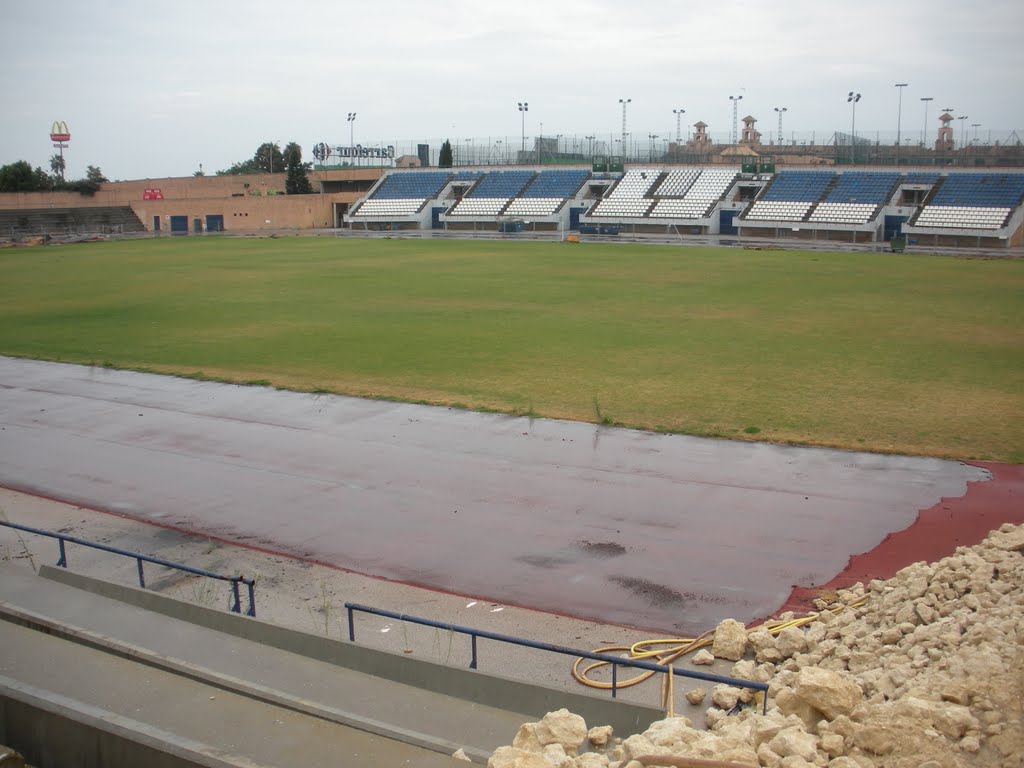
pixel 444 159
pixel 44 182
pixel 241 168
pixel 20 177
pixel 57 165
pixel 297 180
pixel 268 158
pixel 95 175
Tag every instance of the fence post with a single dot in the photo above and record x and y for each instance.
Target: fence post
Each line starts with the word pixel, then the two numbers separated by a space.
pixel 142 580
pixel 615 679
pixel 472 662
pixel 252 599
pixel 236 606
pixel 63 562
pixel 351 627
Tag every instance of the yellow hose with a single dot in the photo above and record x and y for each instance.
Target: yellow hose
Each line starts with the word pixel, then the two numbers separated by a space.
pixel 675 647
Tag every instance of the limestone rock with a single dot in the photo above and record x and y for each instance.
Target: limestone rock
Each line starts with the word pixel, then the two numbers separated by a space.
pixel 790 641
pixel 510 757
pixel 526 738
pixel 730 640
pixel 725 696
pixel 696 695
pixel 703 657
pixel 833 744
pixel 791 704
pixel 794 741
pixel 556 756
pixel 636 745
pixel 832 693
pixel 671 731
pixel 952 720
pixel 795 761
pixel 600 735
pixel 562 727
pixel 460 754
pixel 590 760
pixel 879 737
pixel 844 762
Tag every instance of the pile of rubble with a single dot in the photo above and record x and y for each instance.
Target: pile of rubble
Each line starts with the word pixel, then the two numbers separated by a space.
pixel 927 671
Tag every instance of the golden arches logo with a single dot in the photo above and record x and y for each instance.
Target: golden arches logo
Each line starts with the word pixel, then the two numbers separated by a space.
pixel 59 131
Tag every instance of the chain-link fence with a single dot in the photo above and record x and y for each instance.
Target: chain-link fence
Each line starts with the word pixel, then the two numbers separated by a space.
pixel 970 144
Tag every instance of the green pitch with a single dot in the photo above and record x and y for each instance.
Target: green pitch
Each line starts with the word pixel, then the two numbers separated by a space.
pixel 903 353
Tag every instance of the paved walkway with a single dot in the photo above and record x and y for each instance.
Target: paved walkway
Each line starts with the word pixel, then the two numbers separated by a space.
pixel 625 527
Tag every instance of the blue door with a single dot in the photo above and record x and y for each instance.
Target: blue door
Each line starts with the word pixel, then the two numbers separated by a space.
pixel 574 217
pixel 893 227
pixel 179 225
pixel 726 223
pixel 156 223
pixel 214 222
pixel 435 217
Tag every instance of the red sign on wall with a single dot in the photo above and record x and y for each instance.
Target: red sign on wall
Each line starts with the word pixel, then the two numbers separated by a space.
pixel 152 194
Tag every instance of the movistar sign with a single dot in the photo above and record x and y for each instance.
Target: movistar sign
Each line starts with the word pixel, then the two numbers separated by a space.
pixel 322 151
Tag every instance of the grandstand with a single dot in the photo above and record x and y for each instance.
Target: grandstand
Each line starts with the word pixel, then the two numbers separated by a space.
pixel 972 201
pixel 862 205
pixel 931 206
pixel 70 221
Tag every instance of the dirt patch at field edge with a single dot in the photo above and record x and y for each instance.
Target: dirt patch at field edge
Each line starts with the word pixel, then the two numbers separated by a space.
pixel 936 533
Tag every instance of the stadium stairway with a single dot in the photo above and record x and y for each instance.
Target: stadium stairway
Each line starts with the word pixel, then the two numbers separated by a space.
pixel 100 220
pixel 132 677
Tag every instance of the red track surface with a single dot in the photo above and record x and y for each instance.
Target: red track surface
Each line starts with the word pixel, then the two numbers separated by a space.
pixel 936 533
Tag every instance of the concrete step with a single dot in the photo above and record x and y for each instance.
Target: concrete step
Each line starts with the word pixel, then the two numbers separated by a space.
pixel 64 702
pixel 419 704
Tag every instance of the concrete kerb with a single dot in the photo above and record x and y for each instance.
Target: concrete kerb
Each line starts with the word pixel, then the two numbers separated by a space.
pixel 470 685
pixel 64 731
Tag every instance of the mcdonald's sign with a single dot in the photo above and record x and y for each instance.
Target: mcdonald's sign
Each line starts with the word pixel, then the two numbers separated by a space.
pixel 59 131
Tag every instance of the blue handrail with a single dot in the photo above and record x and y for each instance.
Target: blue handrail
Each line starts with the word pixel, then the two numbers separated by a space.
pixel 236 606
pixel 615 661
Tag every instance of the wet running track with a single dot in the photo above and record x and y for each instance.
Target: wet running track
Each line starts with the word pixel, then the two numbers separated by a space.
pixel 656 531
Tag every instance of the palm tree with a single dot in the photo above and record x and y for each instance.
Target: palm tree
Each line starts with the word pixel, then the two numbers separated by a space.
pixel 57 166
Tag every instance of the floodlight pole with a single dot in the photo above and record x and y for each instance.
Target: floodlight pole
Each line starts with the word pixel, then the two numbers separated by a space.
pixel 679 122
pixel 351 134
pixel 735 117
pixel 524 107
pixel 624 102
pixel 975 126
pixel 853 98
pixel 780 110
pixel 924 133
pixel 590 139
pixel 962 125
pixel 899 114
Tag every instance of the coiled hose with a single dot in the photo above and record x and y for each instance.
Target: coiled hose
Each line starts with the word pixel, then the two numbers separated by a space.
pixel 666 650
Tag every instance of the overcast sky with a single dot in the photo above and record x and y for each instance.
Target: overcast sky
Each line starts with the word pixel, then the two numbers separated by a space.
pixel 152 89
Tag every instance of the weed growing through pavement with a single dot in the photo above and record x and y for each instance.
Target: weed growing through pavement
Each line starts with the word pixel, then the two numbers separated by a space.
pixel 24 546
pixel 203 592
pixel 323 608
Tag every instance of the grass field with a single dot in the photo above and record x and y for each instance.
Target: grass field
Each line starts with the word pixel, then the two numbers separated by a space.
pixel 884 352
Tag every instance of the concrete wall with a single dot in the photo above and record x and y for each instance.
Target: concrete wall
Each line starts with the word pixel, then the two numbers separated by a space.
pixel 532 700
pixel 250 202
pixel 51 731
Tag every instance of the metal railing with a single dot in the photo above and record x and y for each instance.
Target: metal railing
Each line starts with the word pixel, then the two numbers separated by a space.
pixel 236 581
pixel 614 661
